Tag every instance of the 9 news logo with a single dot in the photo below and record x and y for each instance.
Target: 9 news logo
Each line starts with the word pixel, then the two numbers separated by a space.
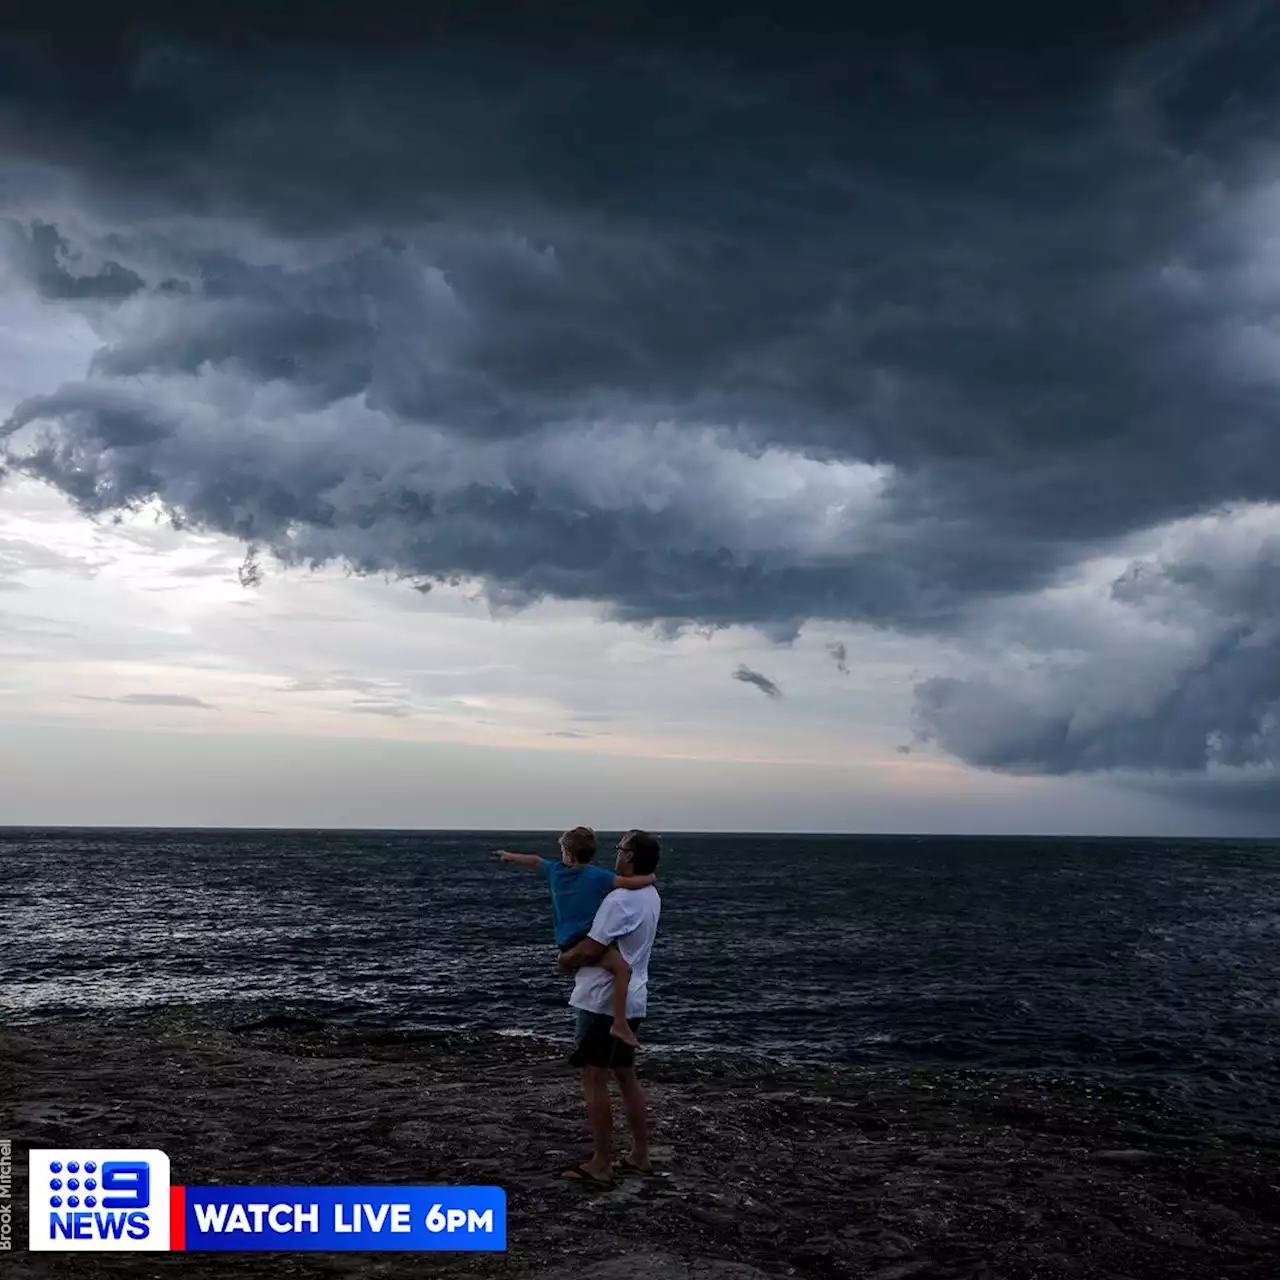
pixel 101 1199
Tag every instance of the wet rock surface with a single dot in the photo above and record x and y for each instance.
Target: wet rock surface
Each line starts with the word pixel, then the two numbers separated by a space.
pixel 762 1170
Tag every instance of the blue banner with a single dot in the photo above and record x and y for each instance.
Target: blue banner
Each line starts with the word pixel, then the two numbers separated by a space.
pixel 468 1219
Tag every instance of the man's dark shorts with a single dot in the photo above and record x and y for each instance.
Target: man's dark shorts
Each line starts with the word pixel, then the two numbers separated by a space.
pixel 593 1046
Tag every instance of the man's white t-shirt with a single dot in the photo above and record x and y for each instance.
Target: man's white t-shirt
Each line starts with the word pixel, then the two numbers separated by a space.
pixel 628 917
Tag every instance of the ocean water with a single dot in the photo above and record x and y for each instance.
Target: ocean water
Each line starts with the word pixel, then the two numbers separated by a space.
pixel 1153 963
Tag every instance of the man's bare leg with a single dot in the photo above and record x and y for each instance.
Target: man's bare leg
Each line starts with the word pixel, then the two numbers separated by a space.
pixel 613 963
pixel 595 1092
pixel 637 1109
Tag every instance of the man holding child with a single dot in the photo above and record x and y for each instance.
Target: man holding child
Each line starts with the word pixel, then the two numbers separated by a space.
pixel 605 924
pixel 629 919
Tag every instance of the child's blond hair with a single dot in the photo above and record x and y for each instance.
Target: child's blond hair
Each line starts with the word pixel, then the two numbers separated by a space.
pixel 579 843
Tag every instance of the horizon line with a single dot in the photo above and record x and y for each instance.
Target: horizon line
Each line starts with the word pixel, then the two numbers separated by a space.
pixel 664 834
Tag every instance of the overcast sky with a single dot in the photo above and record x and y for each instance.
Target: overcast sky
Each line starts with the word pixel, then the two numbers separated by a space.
pixel 430 418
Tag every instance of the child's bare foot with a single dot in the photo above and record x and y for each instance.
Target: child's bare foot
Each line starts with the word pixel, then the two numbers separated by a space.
pixel 620 1031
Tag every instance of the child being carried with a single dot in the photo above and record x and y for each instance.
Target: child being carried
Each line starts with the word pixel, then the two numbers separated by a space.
pixel 577 889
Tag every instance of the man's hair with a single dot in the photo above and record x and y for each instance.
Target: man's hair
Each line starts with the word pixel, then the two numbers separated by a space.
pixel 645 851
pixel 579 843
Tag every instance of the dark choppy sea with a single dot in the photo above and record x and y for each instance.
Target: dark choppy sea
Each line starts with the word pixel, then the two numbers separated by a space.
pixel 1150 962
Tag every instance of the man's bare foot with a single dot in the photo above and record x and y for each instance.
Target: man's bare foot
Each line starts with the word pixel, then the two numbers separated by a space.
pixel 620 1031
pixel 633 1163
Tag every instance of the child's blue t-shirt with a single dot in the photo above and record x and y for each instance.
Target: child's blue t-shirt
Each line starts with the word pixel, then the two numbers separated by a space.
pixel 576 893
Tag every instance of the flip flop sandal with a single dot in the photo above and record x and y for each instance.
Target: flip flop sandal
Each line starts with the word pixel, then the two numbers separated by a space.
pixel 584 1175
pixel 625 1162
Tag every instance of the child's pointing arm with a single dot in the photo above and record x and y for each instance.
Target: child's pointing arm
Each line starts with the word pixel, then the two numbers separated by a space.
pixel 520 859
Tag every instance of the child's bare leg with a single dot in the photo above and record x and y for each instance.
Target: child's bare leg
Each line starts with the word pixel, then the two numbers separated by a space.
pixel 620 971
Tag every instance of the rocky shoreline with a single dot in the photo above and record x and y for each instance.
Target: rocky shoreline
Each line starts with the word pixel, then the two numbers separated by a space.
pixel 763 1170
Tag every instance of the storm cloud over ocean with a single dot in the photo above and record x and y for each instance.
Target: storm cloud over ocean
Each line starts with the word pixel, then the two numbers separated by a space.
pixel 960 326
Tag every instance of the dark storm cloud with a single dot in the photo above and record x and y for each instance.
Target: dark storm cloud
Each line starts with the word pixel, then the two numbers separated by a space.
pixel 1222 712
pixel 1254 795
pixel 1180 671
pixel 45 259
pixel 761 682
pixel 632 320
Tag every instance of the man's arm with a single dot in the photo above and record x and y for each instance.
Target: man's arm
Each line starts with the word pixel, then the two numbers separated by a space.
pixel 634 882
pixel 588 951
pixel 614 918
pixel 520 859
